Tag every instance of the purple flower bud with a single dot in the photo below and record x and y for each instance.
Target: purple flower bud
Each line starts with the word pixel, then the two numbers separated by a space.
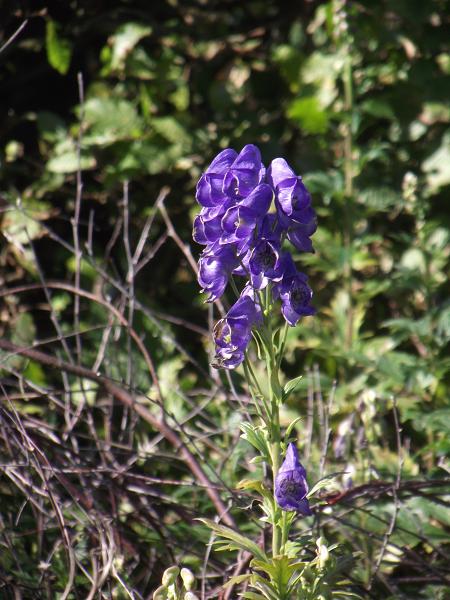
pixel 232 334
pixel 290 484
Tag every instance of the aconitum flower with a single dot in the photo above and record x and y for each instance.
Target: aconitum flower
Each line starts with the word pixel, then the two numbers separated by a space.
pixel 293 199
pixel 246 217
pixel 240 221
pixel 293 203
pixel 291 486
pixel 246 172
pixel 210 186
pixel 294 292
pixel 214 269
pixel 208 225
pixel 232 334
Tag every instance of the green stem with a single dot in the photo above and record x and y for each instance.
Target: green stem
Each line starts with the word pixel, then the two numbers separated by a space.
pixel 349 191
pixel 275 401
pixel 275 451
pixel 285 526
pixel 254 384
pixel 282 345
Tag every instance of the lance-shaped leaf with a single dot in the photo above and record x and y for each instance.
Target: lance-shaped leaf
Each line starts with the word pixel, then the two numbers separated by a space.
pixel 238 540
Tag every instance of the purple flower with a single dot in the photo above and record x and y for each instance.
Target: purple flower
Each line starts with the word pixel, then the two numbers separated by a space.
pixel 294 292
pixel 214 268
pixel 264 263
pixel 299 234
pixel 293 203
pixel 232 334
pixel 210 191
pixel 293 199
pixel 246 172
pixel 240 220
pixel 291 486
pixel 244 236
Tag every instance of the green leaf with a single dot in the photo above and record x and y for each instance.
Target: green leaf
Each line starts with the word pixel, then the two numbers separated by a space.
pixel 378 108
pixel 291 426
pixel 172 131
pixel 59 49
pixel 237 579
pixel 239 540
pixel 291 386
pixel 257 437
pixel 257 486
pixel 324 482
pixel 123 42
pixel 69 163
pixel 309 115
pixel 109 120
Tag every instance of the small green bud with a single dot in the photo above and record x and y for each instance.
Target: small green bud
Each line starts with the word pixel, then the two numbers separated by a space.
pixel 160 593
pixel 188 578
pixel 190 596
pixel 170 576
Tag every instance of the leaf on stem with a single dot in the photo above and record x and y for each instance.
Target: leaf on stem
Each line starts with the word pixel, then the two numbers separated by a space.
pixel 324 482
pixel 291 427
pixel 239 541
pixel 290 387
pixel 257 437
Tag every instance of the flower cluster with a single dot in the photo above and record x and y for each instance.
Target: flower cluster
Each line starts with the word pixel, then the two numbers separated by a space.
pixel 247 213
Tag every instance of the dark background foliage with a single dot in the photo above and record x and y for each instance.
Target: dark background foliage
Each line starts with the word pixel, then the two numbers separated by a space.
pixel 109 113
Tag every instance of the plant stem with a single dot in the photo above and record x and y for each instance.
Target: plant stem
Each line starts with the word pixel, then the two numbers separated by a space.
pixel 285 526
pixel 275 451
pixel 348 208
pixel 274 386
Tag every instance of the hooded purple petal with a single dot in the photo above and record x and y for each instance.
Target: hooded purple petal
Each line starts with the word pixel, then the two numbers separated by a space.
pixel 246 172
pixel 215 266
pixel 210 186
pixel 293 203
pixel 294 292
pixel 233 333
pixel 291 486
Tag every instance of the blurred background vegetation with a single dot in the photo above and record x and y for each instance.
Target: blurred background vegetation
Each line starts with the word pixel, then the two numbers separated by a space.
pixel 109 113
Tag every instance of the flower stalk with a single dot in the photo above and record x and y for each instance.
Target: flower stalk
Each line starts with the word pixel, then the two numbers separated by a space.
pixel 249 214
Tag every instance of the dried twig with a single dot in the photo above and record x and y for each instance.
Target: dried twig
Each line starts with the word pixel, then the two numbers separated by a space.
pixel 127 400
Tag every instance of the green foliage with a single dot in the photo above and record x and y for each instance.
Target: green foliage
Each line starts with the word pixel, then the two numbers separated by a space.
pixel 59 49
